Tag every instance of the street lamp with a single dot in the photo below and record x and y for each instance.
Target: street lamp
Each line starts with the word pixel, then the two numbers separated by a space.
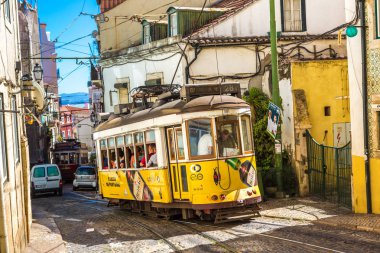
pixel 38 72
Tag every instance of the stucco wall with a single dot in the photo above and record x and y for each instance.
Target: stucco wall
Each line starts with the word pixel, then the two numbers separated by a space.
pixel 120 32
pixel 13 208
pixel 250 21
pixel 137 74
pixel 325 84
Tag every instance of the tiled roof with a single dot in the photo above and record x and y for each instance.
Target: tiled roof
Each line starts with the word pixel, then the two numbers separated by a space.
pixel 106 5
pixel 235 7
pixel 230 3
pixel 68 108
pixel 259 39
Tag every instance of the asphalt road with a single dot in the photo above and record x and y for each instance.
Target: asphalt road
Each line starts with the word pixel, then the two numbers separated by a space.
pixel 88 225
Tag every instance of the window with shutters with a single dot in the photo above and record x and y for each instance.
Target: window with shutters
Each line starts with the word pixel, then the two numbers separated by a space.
pixel 146 30
pixel 293 15
pixel 173 24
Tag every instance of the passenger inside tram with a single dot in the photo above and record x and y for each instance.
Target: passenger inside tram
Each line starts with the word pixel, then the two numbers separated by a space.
pixel 136 158
pixel 122 159
pixel 227 144
pixel 128 156
pixel 113 162
pixel 105 159
pixel 151 152
pixel 200 137
pixel 152 162
pixel 228 136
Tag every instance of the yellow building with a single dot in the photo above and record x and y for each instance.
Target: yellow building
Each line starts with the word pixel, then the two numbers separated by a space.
pixel 325 84
pixel 321 105
pixel 365 116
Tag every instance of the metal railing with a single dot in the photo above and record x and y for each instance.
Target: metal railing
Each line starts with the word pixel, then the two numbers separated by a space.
pixel 329 171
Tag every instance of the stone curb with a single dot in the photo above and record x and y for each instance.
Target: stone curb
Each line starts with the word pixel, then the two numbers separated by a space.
pixel 285 218
pixel 60 243
pixel 350 227
pixel 329 223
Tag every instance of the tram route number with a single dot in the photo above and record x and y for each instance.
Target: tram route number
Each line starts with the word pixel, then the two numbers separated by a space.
pixel 195 177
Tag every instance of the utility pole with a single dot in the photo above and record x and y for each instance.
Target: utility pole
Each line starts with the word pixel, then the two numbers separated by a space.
pixel 276 95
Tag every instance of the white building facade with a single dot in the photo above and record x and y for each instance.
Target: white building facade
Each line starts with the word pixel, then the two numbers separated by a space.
pixel 15 214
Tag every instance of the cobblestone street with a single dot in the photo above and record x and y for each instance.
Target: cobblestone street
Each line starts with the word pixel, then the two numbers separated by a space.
pixel 88 225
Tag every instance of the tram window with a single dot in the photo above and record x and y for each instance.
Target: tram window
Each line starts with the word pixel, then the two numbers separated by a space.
pixel 64 158
pixel 180 147
pixel 150 146
pixel 76 158
pixel 111 142
pixel 104 156
pixel 201 138
pixel 121 156
pixel 120 159
pixel 112 156
pixel 103 144
pixel 120 141
pixel 139 138
pixel 128 140
pixel 150 137
pixel 71 158
pixel 247 133
pixel 127 155
pixel 228 136
pixel 137 156
pixel 56 159
pixel 171 144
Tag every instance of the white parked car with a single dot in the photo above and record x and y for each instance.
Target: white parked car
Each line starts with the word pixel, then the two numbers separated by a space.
pixel 85 177
pixel 46 178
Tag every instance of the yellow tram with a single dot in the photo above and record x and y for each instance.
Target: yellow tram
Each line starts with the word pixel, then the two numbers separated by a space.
pixel 190 153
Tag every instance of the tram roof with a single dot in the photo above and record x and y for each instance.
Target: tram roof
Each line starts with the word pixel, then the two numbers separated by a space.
pixel 205 103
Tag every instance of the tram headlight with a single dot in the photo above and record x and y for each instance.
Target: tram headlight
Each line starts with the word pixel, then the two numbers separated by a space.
pixel 249 193
pixel 214 197
pixel 222 196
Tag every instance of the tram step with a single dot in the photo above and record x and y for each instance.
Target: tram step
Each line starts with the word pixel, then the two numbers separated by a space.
pixel 235 214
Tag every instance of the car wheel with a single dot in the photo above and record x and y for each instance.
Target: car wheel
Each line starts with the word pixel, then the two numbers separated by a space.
pixel 33 194
pixel 74 188
pixel 60 192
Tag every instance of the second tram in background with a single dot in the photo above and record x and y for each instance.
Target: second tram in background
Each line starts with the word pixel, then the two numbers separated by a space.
pixel 190 153
pixel 69 155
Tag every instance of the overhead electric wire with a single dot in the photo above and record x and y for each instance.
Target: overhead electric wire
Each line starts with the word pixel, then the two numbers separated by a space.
pixel 188 41
pixel 71 72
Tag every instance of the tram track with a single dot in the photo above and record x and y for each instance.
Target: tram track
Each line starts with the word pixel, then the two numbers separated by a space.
pixel 210 238
pixel 190 226
pixel 310 245
pixel 152 231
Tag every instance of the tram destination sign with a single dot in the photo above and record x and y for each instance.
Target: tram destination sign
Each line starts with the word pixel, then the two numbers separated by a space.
pixel 196 90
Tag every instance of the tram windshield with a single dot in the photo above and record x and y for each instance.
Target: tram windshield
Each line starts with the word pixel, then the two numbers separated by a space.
pixel 247 133
pixel 200 138
pixel 228 136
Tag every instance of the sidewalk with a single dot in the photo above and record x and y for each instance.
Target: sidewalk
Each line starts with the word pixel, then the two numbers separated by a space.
pixel 319 212
pixel 44 235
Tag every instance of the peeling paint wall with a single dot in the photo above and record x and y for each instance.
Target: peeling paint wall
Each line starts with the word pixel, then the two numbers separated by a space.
pixel 326 85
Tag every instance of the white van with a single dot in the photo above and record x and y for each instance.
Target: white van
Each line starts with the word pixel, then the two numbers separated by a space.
pixel 46 178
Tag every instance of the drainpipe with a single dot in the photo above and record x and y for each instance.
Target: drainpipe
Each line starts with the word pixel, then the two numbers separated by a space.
pixel 365 107
pixel 187 69
pixel 3 237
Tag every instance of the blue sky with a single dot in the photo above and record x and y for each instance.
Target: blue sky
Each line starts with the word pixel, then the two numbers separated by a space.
pixel 61 17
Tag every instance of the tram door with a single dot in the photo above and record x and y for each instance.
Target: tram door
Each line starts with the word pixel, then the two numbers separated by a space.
pixel 177 171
